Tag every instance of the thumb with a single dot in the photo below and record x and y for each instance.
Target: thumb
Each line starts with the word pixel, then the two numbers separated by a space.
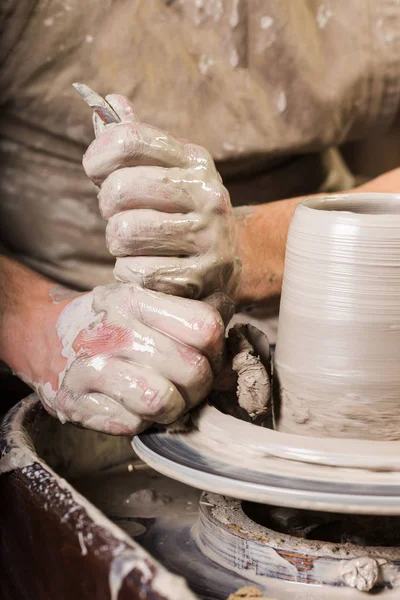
pixel 223 304
pixel 122 106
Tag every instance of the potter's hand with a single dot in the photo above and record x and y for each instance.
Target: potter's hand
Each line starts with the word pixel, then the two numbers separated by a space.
pixel 170 221
pixel 128 357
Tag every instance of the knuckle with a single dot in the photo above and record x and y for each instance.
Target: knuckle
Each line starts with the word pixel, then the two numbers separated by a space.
pixel 126 271
pixel 167 399
pixel 130 140
pixel 65 404
pixel 198 156
pixel 213 330
pixel 116 236
pixel 112 194
pixel 221 199
pixel 119 295
pixel 196 377
pixel 200 373
pixel 103 198
pixel 87 161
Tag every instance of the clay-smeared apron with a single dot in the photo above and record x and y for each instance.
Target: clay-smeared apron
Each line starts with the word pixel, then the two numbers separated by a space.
pixel 269 88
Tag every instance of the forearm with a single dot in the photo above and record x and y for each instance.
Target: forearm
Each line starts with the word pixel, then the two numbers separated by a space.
pixel 25 304
pixel 262 234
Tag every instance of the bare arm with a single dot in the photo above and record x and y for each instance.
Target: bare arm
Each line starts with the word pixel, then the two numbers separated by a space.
pixel 262 232
pixel 27 316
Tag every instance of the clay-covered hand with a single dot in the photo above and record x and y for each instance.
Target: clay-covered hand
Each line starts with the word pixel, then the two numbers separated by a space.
pixel 170 221
pixel 121 357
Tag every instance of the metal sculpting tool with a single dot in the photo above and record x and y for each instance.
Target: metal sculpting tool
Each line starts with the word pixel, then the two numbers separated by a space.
pixel 100 106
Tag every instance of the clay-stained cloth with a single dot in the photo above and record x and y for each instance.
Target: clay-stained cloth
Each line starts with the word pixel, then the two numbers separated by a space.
pixel 270 87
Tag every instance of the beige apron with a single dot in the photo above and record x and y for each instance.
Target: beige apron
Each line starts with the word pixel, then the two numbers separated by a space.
pixel 270 87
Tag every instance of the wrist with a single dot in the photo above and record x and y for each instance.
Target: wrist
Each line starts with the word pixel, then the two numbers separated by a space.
pixel 261 252
pixel 28 318
pixel 23 338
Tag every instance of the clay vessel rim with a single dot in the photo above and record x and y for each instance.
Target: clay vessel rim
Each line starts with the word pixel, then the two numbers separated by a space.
pixel 370 207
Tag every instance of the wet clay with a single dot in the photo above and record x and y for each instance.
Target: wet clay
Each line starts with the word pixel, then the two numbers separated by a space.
pixel 238 459
pixel 243 388
pixel 171 226
pixel 225 533
pixel 59 293
pixel 248 593
pixel 251 361
pixel 238 437
pixel 337 362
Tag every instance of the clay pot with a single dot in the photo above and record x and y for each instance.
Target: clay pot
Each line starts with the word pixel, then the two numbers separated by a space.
pixel 337 361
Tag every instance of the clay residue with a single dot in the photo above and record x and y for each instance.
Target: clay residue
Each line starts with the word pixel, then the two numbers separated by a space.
pixel 248 454
pixel 243 388
pixel 260 443
pixel 243 213
pixel 228 536
pixel 161 252
pixel 147 502
pixel 181 425
pixel 361 573
pixel 253 377
pixel 248 593
pixel 59 293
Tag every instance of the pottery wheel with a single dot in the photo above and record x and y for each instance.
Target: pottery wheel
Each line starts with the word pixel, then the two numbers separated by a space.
pixel 224 455
pixel 221 544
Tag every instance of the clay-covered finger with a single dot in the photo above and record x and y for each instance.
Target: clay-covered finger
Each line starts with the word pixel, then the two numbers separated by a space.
pixel 186 367
pixel 145 371
pixel 144 232
pixel 122 106
pixel 131 144
pixel 185 276
pixel 139 388
pixel 176 276
pixel 97 411
pixel 119 390
pixel 190 322
pixel 145 187
pixel 148 382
